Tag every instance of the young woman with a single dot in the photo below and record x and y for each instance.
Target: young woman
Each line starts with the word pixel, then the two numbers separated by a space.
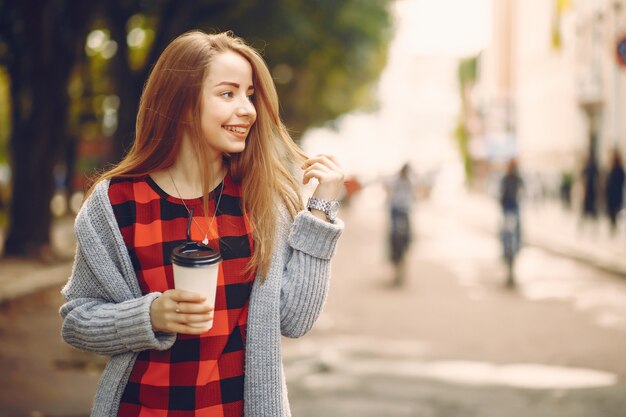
pixel 209 139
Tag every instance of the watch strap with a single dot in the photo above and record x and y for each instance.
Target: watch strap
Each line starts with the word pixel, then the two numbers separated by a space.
pixel 324 206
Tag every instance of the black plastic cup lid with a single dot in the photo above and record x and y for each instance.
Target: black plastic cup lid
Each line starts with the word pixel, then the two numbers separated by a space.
pixel 193 254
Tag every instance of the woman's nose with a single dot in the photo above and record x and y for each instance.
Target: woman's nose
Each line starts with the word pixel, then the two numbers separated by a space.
pixel 246 107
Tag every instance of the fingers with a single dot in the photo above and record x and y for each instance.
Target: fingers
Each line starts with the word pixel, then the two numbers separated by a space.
pixel 186 318
pixel 317 173
pixel 192 323
pixel 326 170
pixel 185 322
pixel 325 160
pixel 189 307
pixel 181 311
pixel 181 301
pixel 187 296
pixel 192 308
pixel 183 318
pixel 322 167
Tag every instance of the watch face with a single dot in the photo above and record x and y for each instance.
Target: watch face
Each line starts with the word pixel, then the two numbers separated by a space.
pixel 333 210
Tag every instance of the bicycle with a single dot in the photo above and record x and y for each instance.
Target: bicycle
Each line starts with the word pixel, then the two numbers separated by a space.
pixel 399 241
pixel 511 243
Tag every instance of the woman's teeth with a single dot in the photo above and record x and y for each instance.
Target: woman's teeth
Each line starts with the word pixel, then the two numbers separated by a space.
pixel 235 129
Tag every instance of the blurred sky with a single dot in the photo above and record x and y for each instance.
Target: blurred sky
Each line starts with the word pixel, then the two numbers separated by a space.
pixel 449 27
pixel 418 92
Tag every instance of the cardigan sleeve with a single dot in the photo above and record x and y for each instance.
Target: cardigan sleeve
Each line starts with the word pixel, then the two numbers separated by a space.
pixel 311 245
pixel 103 314
pixel 94 324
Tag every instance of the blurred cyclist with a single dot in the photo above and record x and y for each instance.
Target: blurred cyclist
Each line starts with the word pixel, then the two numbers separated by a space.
pixel 511 187
pixel 401 196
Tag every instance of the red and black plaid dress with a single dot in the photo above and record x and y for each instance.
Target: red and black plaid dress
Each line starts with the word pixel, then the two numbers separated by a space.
pixel 200 375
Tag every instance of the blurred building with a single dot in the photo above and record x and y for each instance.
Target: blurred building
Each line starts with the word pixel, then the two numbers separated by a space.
pixel 549 88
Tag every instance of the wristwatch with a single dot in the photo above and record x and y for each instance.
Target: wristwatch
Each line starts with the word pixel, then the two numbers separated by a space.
pixel 329 208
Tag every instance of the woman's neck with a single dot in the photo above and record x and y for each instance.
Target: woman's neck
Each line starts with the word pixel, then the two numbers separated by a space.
pixel 188 180
pixel 184 178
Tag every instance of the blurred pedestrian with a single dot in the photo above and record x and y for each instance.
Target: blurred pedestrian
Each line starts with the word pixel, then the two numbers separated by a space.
pixel 511 188
pixel 565 189
pixel 209 139
pixel 615 190
pixel 401 196
pixel 590 176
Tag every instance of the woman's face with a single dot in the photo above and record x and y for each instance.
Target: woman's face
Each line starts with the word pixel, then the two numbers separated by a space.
pixel 227 109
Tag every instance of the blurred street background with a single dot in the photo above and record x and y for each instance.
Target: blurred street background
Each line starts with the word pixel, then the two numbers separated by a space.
pixel 454 88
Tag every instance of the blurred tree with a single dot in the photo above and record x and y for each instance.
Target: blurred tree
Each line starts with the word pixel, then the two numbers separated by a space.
pixel 324 55
pixel 467 73
pixel 41 40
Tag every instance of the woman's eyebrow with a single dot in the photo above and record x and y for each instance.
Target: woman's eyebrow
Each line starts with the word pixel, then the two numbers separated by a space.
pixel 233 84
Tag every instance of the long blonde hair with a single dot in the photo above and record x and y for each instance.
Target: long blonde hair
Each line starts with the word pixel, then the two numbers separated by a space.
pixel 171 105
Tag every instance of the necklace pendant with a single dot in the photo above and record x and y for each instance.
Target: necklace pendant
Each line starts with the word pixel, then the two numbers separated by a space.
pixel 205 241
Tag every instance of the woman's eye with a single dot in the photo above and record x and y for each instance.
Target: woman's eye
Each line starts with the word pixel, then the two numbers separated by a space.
pixel 251 97
pixel 227 94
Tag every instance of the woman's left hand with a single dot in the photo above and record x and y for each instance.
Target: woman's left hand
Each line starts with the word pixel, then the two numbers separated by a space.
pixel 326 170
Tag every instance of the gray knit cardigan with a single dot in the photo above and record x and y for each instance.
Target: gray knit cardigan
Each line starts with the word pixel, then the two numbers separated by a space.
pixel 106 313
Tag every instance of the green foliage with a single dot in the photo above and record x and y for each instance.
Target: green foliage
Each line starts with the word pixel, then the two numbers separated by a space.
pixel 325 55
pixel 462 137
pixel 332 52
pixel 468 70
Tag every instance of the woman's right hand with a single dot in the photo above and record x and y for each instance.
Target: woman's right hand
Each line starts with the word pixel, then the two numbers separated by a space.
pixel 179 311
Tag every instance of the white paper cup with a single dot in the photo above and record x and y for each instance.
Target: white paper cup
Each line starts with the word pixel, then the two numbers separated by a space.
pixel 196 268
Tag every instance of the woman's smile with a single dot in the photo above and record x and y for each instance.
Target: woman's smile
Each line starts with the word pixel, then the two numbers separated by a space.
pixel 240 131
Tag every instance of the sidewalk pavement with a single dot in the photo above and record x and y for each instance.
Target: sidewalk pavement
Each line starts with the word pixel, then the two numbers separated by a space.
pixel 545 225
pixel 20 277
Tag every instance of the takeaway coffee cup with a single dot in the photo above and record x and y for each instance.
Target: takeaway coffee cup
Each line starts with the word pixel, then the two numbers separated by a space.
pixel 195 269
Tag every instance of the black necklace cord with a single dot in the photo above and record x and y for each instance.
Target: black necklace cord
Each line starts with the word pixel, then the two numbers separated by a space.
pixel 189 225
